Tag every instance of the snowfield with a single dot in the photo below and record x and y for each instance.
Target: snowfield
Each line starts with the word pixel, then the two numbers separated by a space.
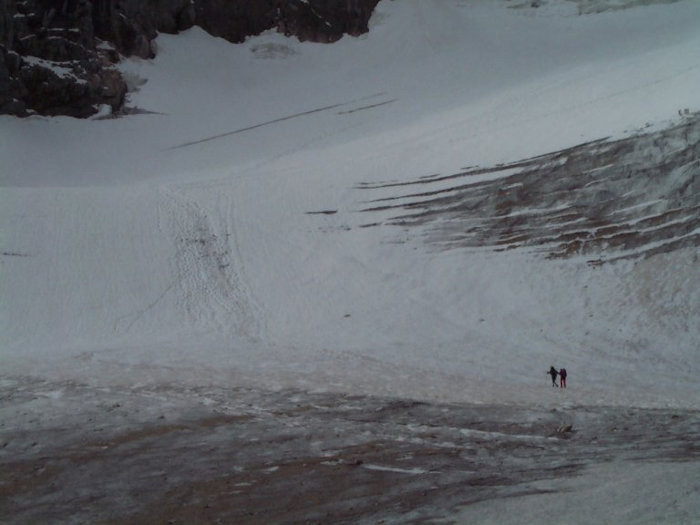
pixel 434 212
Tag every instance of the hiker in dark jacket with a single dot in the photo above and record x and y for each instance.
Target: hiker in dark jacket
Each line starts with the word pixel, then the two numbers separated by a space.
pixel 553 372
pixel 562 378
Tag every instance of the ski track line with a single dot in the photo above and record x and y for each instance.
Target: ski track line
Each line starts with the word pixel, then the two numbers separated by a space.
pixel 138 315
pixel 285 118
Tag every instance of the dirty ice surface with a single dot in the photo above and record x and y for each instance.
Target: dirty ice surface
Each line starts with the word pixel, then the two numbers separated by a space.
pixel 436 211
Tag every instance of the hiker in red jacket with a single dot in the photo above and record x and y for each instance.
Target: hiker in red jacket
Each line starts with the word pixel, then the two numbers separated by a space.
pixel 562 378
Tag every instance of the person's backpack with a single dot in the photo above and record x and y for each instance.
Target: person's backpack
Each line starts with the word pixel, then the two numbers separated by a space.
pixel 562 373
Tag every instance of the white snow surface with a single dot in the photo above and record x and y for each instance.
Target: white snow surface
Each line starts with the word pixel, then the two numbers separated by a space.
pixel 176 245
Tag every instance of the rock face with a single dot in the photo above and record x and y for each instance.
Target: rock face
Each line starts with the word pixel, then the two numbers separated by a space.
pixel 325 21
pixel 234 20
pixel 57 57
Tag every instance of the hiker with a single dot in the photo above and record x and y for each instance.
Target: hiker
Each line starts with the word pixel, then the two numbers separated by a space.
pixel 553 372
pixel 562 378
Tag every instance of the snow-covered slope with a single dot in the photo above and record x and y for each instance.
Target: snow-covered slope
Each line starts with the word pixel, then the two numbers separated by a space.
pixel 218 236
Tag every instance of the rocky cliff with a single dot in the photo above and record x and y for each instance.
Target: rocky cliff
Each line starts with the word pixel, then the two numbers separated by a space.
pixel 57 57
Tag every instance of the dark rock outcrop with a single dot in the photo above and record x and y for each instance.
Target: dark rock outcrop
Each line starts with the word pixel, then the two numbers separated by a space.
pixel 324 21
pixel 131 25
pixel 235 20
pixel 57 57
pixel 50 61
